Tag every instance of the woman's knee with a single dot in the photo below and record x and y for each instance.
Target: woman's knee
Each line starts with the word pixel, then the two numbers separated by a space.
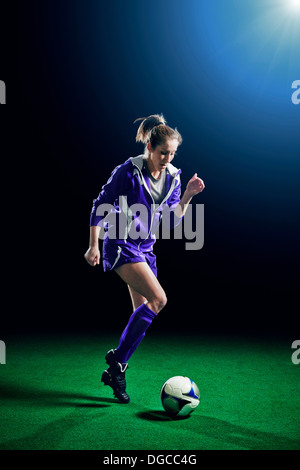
pixel 158 302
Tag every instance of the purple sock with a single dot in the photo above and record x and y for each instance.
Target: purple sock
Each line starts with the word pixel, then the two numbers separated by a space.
pixel 134 332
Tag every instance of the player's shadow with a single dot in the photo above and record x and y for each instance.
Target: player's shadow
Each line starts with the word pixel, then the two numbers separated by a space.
pixel 50 435
pixel 227 434
pixel 48 398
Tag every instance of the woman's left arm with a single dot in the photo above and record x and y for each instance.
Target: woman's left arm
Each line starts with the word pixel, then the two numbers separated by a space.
pixel 194 186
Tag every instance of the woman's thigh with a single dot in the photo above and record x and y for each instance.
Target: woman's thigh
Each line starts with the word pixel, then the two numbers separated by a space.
pixel 142 280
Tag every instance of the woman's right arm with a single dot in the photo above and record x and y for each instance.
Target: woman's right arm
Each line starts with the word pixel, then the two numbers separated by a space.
pixel 118 183
pixel 92 255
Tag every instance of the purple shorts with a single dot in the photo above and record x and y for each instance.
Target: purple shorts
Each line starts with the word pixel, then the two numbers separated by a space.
pixel 114 255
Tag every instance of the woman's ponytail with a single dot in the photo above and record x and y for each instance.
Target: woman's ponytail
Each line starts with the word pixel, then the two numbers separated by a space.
pixel 154 129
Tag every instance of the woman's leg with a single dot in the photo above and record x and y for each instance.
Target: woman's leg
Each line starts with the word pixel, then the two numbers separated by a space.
pixel 148 299
pixel 136 298
pixel 141 279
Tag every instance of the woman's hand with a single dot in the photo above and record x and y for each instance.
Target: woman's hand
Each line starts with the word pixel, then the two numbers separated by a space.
pixel 195 186
pixel 93 255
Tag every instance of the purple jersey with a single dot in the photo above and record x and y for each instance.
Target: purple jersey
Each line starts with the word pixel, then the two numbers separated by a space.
pixel 126 208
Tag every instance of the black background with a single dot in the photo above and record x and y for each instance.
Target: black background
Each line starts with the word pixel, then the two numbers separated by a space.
pixel 58 149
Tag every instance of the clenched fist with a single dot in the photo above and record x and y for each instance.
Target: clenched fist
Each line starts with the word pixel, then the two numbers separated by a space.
pixel 93 256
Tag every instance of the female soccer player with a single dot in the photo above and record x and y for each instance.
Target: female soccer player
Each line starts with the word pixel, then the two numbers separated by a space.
pixel 152 182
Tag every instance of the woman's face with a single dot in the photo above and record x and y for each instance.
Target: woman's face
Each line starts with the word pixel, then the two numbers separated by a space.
pixel 162 154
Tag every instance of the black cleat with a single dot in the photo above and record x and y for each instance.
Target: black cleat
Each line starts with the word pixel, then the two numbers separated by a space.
pixel 114 376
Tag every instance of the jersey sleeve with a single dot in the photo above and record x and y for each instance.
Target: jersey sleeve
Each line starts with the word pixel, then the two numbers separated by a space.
pixel 117 185
pixel 175 196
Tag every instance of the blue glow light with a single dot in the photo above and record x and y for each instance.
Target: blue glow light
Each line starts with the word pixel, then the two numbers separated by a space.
pixel 221 71
pixel 294 5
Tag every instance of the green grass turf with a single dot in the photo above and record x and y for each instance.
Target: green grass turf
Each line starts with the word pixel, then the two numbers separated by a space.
pixel 51 397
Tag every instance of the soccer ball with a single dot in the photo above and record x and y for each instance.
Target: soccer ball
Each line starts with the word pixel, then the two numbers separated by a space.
pixel 180 396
